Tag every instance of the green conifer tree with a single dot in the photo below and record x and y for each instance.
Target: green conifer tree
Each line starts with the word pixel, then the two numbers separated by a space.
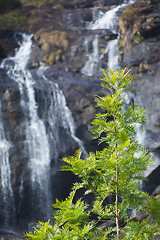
pixel 115 171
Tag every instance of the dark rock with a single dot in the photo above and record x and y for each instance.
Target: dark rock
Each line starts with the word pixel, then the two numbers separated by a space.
pixel 139 26
pixel 7 44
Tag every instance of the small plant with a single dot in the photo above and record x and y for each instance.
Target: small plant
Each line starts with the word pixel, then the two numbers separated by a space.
pixel 113 172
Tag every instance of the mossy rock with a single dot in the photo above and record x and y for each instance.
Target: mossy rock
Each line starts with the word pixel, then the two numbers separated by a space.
pixel 45 58
pixel 53 57
pixel 55 39
pixel 37 36
pixel 45 47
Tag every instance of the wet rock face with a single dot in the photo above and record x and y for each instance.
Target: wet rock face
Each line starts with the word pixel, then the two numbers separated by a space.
pixel 139 26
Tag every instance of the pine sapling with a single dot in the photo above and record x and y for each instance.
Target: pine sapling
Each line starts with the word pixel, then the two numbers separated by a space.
pixel 114 172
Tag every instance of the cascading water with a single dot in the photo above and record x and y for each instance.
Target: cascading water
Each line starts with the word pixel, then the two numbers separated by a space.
pixel 38 150
pixel 7 192
pixel 91 65
pixel 60 114
pixel 107 21
pixel 44 133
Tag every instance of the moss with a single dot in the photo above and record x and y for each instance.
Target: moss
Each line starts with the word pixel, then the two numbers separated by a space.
pixel 51 58
pixel 58 55
pixel 57 6
pixel 13 21
pixel 45 58
pixel 149 19
pixel 138 39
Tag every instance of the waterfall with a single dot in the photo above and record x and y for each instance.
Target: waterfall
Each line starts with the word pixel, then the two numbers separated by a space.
pixel 59 114
pixel 46 123
pixel 107 21
pixel 7 192
pixel 91 65
pixel 36 142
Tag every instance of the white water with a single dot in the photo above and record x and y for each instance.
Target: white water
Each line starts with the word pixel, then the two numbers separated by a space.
pixel 36 142
pixel 7 192
pixel 41 143
pixel 108 21
pixel 91 65
pixel 59 114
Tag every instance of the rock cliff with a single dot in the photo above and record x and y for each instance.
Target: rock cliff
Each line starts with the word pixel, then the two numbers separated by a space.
pixel 139 28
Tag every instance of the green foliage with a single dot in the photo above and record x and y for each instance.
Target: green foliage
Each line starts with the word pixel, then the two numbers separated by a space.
pixel 13 21
pixel 37 3
pixel 115 171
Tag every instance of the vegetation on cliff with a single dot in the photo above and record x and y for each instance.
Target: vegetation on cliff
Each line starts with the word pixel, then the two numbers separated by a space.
pixel 111 175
